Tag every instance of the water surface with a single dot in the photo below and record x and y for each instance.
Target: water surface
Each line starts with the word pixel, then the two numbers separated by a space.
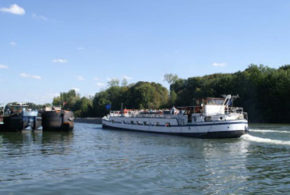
pixel 90 160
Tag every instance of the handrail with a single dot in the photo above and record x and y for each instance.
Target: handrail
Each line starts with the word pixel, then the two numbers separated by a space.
pixel 228 110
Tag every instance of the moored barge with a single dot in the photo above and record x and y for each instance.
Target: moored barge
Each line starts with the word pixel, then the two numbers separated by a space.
pixel 56 119
pixel 18 116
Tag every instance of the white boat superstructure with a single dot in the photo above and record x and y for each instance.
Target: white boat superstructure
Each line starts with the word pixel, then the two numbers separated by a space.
pixel 214 118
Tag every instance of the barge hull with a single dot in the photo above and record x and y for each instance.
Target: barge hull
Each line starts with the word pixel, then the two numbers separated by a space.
pixel 13 123
pixel 57 121
pixel 204 135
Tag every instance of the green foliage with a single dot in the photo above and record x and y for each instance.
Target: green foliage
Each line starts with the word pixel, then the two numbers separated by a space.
pixel 264 92
pixel 139 95
pixel 172 99
pixel 146 95
pixel 67 99
pixel 83 107
pixel 71 100
pixel 170 78
pixel 113 82
pixel 124 82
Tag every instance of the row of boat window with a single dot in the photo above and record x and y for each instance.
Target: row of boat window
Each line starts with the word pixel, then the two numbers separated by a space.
pixel 142 123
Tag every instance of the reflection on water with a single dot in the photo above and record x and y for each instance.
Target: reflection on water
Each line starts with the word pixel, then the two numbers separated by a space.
pixel 90 160
pixel 38 136
pixel 225 166
pixel 30 141
pixel 190 165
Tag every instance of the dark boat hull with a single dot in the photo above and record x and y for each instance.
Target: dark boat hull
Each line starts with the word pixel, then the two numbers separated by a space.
pixel 208 135
pixel 57 120
pixel 17 123
pixel 13 123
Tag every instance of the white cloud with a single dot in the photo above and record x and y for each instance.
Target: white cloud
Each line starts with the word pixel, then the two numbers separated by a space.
pixel 216 64
pixel 96 79
pixel 80 78
pixel 59 60
pixel 12 43
pixel 13 9
pixel 25 75
pixel 39 17
pixel 36 77
pixel 100 84
pixel 2 66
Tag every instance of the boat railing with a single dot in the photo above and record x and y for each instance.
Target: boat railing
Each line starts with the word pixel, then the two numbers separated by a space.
pixel 167 116
pixel 229 110
pixel 194 110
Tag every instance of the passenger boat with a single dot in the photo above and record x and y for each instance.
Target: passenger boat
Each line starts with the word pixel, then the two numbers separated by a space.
pixel 18 116
pixel 56 119
pixel 213 118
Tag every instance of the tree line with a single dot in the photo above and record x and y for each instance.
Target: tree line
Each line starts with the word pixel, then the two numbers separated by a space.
pixel 264 93
pixel 140 95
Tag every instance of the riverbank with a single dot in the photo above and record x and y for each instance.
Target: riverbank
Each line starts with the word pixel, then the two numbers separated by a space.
pixel 91 120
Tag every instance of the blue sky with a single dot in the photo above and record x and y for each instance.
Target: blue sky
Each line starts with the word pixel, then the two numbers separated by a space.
pixel 47 47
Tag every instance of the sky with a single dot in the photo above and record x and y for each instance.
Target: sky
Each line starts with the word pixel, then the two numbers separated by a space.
pixel 52 46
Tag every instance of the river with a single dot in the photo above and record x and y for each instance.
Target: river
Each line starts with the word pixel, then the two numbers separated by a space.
pixel 90 160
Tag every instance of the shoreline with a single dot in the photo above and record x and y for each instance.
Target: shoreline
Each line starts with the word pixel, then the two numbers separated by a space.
pixel 91 120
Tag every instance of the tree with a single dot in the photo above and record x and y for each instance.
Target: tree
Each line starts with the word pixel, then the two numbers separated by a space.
pixel 172 98
pixel 67 99
pixel 147 95
pixel 83 107
pixel 264 92
pixel 170 78
pixel 113 82
pixel 113 96
pixel 124 82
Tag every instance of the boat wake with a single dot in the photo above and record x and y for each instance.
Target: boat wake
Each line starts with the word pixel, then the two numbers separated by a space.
pixel 268 131
pixel 265 140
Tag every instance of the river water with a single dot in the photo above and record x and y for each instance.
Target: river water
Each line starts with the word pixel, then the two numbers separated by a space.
pixel 90 160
